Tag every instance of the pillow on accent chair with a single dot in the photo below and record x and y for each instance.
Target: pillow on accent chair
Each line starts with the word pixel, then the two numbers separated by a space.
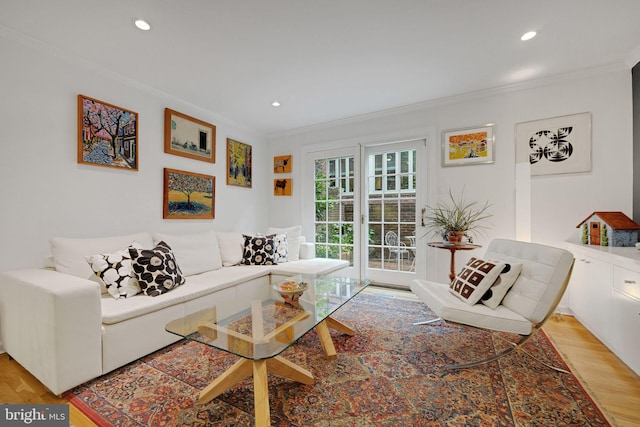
pixel 116 272
pixel 156 269
pixel 258 250
pixel 293 239
pixel 281 253
pixel 475 279
pixel 494 295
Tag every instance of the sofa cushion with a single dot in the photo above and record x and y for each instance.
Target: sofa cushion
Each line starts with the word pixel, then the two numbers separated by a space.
pixel 293 239
pixel 69 253
pixel 156 269
pixel 494 295
pixel 474 279
pixel 231 245
pixel 258 250
pixel 281 248
pixel 195 253
pixel 115 311
pixel 116 272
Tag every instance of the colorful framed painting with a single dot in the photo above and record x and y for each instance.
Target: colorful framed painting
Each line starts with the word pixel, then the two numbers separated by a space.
pixel 107 135
pixel 238 163
pixel 189 137
pixel 556 145
pixel 282 164
pixel 467 146
pixel 282 187
pixel 188 195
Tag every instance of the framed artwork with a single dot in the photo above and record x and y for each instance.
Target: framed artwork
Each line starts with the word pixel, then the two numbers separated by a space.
pixel 282 164
pixel 188 195
pixel 556 145
pixel 189 137
pixel 467 146
pixel 238 163
pixel 107 135
pixel 282 187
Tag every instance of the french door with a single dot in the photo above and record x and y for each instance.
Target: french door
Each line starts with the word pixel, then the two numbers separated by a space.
pixel 367 202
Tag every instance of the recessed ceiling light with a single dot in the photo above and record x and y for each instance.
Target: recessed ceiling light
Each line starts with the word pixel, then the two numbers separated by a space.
pixel 142 24
pixel 275 103
pixel 528 36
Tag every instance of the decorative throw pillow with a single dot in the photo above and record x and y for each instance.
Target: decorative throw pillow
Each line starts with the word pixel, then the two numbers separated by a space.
pixel 116 272
pixel 156 269
pixel 258 250
pixel 293 240
pixel 281 249
pixel 474 279
pixel 494 295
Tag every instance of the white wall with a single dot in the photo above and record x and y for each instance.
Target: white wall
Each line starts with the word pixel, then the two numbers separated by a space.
pixel 45 192
pixel 557 203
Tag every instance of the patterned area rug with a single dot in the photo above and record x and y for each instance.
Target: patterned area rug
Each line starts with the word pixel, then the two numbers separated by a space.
pixel 390 373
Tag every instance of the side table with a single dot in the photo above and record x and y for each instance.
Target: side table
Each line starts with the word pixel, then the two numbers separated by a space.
pixel 453 247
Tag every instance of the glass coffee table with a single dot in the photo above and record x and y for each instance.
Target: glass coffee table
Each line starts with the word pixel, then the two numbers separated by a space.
pixel 259 328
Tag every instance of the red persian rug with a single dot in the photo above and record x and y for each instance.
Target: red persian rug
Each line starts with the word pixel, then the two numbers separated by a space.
pixel 390 373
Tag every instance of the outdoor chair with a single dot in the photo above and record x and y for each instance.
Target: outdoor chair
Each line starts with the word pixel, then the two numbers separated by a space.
pixel 527 304
pixel 395 246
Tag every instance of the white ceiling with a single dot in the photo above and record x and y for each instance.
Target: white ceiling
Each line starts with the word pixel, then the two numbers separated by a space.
pixel 328 59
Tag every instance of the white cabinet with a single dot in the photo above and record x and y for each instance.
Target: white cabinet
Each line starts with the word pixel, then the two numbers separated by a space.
pixel 625 319
pixel 604 295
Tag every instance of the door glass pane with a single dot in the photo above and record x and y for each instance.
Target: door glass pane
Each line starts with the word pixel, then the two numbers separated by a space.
pixel 334 200
pixel 391 210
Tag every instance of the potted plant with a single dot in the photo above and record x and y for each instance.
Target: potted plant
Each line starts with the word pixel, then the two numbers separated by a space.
pixel 456 218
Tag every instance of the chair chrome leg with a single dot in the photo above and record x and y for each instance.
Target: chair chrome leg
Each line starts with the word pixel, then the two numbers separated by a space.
pixel 426 322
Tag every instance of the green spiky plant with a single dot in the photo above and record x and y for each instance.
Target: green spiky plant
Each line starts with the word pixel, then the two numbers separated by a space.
pixel 456 215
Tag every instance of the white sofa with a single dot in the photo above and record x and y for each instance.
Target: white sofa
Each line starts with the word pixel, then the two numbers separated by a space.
pixel 60 326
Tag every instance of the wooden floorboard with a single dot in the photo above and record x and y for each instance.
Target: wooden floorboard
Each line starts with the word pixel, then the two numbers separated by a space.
pixel 614 387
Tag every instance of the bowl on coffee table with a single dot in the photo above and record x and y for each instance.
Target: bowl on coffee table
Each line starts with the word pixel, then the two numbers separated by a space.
pixel 290 291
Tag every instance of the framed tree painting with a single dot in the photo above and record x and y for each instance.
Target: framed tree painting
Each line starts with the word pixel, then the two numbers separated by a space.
pixel 555 145
pixel 282 164
pixel 188 195
pixel 107 135
pixel 238 163
pixel 467 146
pixel 189 137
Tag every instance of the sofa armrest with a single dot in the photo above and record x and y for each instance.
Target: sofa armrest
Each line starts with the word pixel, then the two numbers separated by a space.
pixel 307 249
pixel 51 324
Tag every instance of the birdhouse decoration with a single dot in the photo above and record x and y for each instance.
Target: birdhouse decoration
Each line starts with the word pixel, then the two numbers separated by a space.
pixel 609 229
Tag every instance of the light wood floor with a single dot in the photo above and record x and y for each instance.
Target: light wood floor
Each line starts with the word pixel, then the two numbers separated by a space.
pixel 611 384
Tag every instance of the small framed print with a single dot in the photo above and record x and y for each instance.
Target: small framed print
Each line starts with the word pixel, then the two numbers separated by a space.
pixel 188 195
pixel 468 146
pixel 107 135
pixel 282 164
pixel 282 187
pixel 239 161
pixel 189 137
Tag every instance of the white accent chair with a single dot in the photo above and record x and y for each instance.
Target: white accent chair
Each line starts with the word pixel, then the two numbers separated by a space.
pixel 529 303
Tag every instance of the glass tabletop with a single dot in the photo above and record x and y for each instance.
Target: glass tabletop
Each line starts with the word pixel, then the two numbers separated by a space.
pixel 269 320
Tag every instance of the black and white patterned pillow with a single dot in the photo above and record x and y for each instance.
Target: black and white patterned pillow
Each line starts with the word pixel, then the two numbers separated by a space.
pixel 156 269
pixel 116 272
pixel 281 253
pixel 258 250
pixel 475 278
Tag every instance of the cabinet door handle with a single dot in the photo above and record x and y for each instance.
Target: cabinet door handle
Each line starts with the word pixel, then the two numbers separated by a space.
pixel 630 282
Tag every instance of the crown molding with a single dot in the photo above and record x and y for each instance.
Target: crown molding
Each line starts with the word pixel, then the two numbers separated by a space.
pixel 456 99
pixel 68 57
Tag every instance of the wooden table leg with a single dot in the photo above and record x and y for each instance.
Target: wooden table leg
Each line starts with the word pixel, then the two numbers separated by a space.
pixel 452 265
pixel 232 376
pixel 339 326
pixel 325 339
pixel 261 394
